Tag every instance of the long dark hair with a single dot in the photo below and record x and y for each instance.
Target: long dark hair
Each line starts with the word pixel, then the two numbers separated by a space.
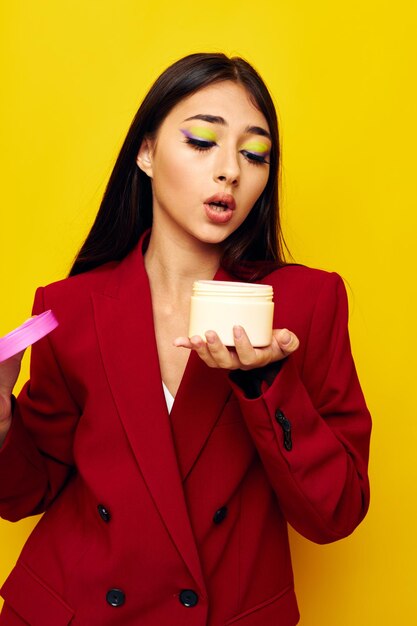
pixel 126 208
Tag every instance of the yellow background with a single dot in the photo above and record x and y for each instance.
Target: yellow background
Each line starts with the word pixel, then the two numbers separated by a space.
pixel 343 77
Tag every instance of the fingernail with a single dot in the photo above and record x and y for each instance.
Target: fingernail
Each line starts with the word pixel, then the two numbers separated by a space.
pixel 210 337
pixel 285 338
pixel 237 331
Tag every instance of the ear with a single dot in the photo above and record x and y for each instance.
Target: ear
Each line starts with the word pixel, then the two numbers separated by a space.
pixel 144 156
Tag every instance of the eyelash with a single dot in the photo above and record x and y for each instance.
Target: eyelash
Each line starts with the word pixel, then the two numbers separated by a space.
pixel 202 146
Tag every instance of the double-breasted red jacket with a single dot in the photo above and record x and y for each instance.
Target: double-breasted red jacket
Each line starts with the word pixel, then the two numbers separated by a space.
pixel 177 519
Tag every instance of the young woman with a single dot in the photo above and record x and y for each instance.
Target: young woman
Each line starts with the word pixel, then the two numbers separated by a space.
pixel 175 511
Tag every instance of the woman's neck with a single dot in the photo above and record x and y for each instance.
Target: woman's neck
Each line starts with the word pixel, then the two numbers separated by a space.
pixel 173 262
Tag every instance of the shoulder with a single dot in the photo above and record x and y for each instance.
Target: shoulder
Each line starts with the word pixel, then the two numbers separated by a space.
pixel 70 299
pixel 303 294
pixel 296 280
pixel 74 288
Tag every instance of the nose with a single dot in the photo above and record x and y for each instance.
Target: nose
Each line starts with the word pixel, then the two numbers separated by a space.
pixel 227 169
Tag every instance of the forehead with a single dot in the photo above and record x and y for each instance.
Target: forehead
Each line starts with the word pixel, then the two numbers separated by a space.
pixel 225 99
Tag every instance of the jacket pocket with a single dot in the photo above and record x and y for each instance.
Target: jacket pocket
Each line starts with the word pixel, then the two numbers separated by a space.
pixel 35 602
pixel 281 609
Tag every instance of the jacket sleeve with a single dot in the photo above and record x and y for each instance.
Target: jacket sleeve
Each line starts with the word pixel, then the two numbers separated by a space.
pixel 312 428
pixel 36 457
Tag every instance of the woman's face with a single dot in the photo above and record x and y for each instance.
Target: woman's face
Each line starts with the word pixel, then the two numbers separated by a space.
pixel 209 163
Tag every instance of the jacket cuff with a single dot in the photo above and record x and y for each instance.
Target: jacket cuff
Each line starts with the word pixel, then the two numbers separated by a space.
pixel 256 381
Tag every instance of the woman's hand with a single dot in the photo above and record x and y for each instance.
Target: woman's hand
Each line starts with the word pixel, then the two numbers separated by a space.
pixel 9 371
pixel 243 356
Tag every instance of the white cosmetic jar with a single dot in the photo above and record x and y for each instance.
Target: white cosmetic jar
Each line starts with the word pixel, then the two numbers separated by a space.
pixel 219 305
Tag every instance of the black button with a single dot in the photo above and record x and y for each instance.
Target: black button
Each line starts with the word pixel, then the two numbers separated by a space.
pixel 104 513
pixel 220 514
pixel 286 428
pixel 188 597
pixel 115 597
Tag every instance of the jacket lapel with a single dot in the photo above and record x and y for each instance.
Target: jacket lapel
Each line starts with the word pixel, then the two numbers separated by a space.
pixel 124 322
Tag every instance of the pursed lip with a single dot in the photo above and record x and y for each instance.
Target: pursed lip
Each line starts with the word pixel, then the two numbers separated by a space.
pixel 224 198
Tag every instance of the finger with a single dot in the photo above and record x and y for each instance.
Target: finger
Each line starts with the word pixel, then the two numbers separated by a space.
pixel 222 356
pixel 200 346
pixel 287 341
pixel 182 342
pixel 249 356
pixel 14 357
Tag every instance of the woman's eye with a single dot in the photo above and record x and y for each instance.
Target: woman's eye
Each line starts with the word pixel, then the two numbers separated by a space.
pixel 203 145
pixel 199 144
pixel 257 159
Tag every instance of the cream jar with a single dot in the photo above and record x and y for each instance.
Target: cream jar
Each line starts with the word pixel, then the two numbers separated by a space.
pixel 219 305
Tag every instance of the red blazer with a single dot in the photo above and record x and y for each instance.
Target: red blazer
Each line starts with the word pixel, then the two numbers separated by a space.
pixel 177 519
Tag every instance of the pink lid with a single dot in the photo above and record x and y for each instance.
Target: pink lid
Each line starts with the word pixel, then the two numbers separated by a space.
pixel 29 332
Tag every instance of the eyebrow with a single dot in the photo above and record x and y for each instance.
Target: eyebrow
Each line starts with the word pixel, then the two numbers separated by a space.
pixel 216 119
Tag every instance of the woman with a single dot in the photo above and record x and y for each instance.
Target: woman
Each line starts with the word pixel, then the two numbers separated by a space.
pixel 156 517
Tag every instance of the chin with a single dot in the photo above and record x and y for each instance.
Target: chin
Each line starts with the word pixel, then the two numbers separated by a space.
pixel 214 235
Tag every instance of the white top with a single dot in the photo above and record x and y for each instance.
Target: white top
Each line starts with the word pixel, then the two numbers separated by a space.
pixel 168 397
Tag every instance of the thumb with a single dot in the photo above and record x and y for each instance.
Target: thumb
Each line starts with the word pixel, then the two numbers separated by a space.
pixel 287 341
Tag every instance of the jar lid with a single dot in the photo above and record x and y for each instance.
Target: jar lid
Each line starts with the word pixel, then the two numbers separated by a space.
pixel 231 289
pixel 30 331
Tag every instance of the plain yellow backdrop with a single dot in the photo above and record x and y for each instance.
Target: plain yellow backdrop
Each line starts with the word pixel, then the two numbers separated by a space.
pixel 343 77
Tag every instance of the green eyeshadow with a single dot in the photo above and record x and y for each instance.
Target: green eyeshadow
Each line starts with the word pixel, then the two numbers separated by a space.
pixel 202 132
pixel 258 147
